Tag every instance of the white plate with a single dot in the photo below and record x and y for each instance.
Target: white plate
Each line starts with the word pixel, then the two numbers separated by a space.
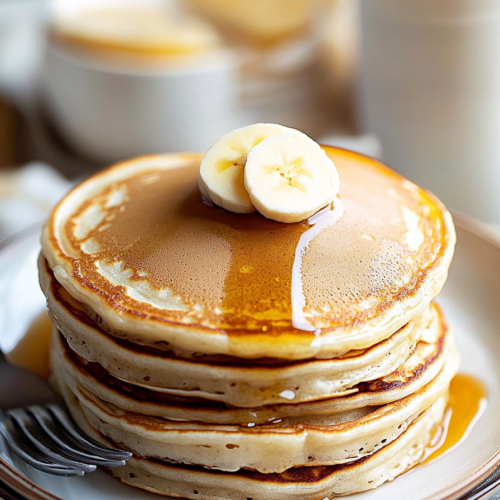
pixel 470 300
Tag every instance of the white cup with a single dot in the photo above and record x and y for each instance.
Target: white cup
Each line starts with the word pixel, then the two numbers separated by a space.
pixel 108 112
pixel 430 90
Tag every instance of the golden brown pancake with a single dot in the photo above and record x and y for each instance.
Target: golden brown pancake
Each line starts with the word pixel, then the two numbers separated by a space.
pixel 231 380
pixel 133 35
pixel 419 370
pixel 156 265
pixel 272 447
pixel 238 357
pixel 301 483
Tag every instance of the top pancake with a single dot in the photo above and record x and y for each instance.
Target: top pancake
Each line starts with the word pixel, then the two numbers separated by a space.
pixel 138 246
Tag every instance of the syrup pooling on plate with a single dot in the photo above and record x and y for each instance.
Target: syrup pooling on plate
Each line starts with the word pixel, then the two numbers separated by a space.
pixel 467 402
pixel 32 350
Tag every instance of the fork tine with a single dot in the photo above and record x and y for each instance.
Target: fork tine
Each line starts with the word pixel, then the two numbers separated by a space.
pixel 26 452
pixel 66 442
pixel 83 440
pixel 27 427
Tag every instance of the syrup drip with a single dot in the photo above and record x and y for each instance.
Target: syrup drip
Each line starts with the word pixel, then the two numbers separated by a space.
pixel 318 222
pixel 32 351
pixel 468 401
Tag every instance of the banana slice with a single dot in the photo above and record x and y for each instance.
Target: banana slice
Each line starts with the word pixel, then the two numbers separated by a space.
pixel 289 177
pixel 222 167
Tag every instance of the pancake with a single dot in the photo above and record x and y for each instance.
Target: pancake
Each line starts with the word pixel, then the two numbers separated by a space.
pixel 276 447
pixel 134 35
pixel 238 357
pixel 235 383
pixel 420 369
pixel 156 266
pixel 304 483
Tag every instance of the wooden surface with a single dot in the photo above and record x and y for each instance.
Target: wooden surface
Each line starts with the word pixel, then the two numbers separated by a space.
pixel 13 135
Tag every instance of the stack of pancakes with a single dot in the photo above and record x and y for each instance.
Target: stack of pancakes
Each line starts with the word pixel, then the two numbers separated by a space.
pixel 237 357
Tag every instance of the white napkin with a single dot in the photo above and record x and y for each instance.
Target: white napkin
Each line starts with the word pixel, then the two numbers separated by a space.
pixel 26 196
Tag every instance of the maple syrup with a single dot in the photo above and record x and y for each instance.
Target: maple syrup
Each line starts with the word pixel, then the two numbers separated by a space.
pixel 258 287
pixel 32 351
pixel 468 401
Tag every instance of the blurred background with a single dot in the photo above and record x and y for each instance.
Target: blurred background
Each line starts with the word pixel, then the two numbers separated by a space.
pixel 84 83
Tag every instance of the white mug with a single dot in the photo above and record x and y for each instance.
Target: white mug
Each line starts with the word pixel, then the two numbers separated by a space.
pixel 430 90
pixel 108 112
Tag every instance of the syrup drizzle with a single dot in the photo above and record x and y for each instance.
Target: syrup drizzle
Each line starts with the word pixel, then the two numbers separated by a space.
pixel 467 403
pixel 318 222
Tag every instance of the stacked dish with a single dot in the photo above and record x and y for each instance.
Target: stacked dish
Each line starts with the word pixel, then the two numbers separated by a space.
pixel 238 357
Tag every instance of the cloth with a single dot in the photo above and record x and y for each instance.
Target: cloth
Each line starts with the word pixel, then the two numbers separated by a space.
pixel 26 196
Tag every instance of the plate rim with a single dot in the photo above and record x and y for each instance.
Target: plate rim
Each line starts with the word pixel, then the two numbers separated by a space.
pixel 31 491
pixel 12 242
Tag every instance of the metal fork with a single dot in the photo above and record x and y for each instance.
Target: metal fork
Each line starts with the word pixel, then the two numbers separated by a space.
pixel 40 432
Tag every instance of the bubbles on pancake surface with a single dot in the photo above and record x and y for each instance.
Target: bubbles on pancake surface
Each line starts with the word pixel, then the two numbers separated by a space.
pixel 234 271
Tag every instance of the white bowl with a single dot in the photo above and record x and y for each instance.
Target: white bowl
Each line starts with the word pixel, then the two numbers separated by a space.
pixel 108 112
